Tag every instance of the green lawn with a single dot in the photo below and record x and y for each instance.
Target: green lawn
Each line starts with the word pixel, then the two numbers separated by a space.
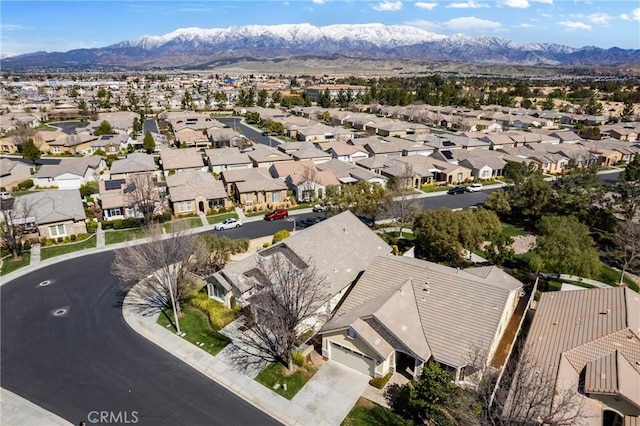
pixel 274 373
pixel 260 213
pixel 114 237
pixel 196 326
pixel 10 265
pixel 189 222
pixel 509 230
pixel 301 206
pixel 57 250
pixel 220 217
pixel 610 276
pixel 366 413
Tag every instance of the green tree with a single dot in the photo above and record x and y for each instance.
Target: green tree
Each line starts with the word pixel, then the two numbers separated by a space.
pixel 104 128
pixel 626 114
pixel 149 144
pixel 262 98
pixel 548 103
pixel 565 247
pixel 442 235
pixel 431 399
pixel 31 151
pixel 499 250
pixel 276 97
pixel 137 125
pixel 82 107
pixel 89 188
pixel 280 235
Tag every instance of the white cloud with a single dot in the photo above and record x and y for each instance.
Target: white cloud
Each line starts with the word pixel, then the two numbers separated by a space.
pixel 469 4
pixel 635 14
pixel 424 5
pixel 543 1
pixel 600 18
pixel 519 4
pixel 318 1
pixel 525 25
pixel 464 24
pixel 469 23
pixel 8 27
pixel 387 6
pixel 572 25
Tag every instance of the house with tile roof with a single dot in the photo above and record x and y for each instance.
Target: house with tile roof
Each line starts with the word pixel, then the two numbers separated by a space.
pixel 56 213
pixel 339 248
pixel 12 172
pixel 403 312
pixel 255 188
pixel 221 159
pixel 195 191
pixel 588 342
pixel 134 163
pixel 70 173
pixel 178 160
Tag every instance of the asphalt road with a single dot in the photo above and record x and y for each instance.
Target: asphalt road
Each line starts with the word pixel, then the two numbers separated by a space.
pixel 249 132
pixel 90 360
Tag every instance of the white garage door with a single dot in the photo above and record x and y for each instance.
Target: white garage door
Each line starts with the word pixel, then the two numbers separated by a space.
pixel 355 360
pixel 68 183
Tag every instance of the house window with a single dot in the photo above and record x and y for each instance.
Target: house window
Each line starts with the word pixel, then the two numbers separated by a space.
pixel 57 230
pixel 56 149
pixel 276 196
pixel 113 212
pixel 185 207
pixel 351 334
pixel 485 173
pixel 249 197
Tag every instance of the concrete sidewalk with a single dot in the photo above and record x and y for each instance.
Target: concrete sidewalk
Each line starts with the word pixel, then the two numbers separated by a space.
pixel 15 410
pixel 325 400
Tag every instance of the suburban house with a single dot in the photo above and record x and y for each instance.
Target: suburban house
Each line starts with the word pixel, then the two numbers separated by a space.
pixel 135 163
pixel 179 160
pixel 195 191
pixel 56 213
pixel 624 134
pixel 72 144
pixel 70 173
pixel 304 179
pixel 42 138
pixel 404 311
pixel 347 173
pixel 346 152
pixel 311 153
pixel 588 341
pixel 265 157
pixel 339 248
pixel 254 188
pixel 12 172
pixel 10 144
pixel 191 138
pixel 110 144
pixel 219 138
pixel 114 199
pixel 221 159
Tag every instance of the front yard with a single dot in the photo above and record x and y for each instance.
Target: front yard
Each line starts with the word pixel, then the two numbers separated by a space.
pixel 202 319
pixel 275 378
pixel 49 252
pixel 122 235
pixel 220 217
pixel 10 265
pixel 366 413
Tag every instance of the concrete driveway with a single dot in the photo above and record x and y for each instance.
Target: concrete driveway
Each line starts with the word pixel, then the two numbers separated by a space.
pixel 332 392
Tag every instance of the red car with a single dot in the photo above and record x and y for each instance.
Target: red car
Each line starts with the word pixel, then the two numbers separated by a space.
pixel 276 214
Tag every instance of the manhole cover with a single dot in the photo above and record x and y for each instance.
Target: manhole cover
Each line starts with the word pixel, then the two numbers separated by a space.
pixel 45 283
pixel 60 312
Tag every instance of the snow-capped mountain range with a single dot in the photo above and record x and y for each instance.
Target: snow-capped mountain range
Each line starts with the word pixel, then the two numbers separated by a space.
pixel 193 47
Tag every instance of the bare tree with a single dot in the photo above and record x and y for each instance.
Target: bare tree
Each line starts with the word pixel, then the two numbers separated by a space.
pixel 627 241
pixel 160 270
pixel 143 196
pixel 525 393
pixel 288 296
pixel 405 207
pixel 15 220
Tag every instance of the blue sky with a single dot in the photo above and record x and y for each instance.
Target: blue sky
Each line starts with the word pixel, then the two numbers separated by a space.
pixel 28 26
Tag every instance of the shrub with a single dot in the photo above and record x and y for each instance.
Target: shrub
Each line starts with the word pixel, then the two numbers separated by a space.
pixel 165 216
pixel 82 236
pixel 73 237
pixel 218 315
pixel 380 382
pixel 298 359
pixel 60 240
pixel 92 227
pixel 66 239
pixel 43 240
pixel 48 243
pixel 280 235
pixel 26 246
pixel 26 184
pixel 266 244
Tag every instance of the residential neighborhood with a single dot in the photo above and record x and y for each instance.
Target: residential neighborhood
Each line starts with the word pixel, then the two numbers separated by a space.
pixel 310 242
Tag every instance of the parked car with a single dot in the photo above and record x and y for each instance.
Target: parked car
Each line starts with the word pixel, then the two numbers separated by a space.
pixel 474 187
pixel 276 214
pixel 457 190
pixel 318 208
pixel 228 224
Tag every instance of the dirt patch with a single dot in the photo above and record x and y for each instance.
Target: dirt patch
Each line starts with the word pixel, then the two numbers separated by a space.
pixel 523 243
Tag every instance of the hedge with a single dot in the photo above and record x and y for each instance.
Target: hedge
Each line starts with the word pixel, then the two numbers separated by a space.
pixel 380 382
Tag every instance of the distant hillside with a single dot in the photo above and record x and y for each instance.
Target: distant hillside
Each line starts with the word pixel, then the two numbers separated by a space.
pixel 196 47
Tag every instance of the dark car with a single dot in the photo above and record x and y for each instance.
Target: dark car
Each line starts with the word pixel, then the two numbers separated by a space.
pixel 457 190
pixel 276 214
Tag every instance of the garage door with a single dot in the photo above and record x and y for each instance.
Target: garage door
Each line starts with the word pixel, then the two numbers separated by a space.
pixel 68 183
pixel 355 360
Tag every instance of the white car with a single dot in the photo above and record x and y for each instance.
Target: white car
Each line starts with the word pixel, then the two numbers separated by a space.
pixel 474 187
pixel 228 224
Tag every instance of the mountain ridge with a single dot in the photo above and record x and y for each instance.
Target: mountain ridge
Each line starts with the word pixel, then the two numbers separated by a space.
pixel 193 46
